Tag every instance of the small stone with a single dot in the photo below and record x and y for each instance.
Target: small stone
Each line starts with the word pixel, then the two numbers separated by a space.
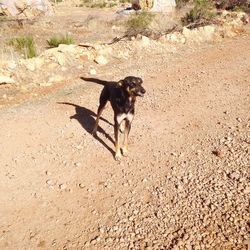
pixel 48 173
pixel 49 182
pixel 92 72
pixel 84 57
pixel 62 186
pixel 218 152
pixel 67 48
pixel 6 80
pixel 101 60
pixel 145 41
pixel 235 176
pixel 247 190
pixel 80 185
pixel 56 78
pixel 61 59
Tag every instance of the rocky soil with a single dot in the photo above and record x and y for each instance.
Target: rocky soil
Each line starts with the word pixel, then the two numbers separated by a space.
pixel 185 183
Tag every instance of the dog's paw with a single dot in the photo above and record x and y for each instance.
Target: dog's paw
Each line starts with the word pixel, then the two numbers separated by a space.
pixel 94 133
pixel 125 151
pixel 118 156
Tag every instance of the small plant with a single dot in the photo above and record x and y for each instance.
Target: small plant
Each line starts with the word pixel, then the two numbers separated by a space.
pixel 200 13
pixel 3 18
pixel 125 1
pixel 63 39
pixel 98 5
pixel 57 1
pixel 181 3
pixel 103 4
pixel 25 44
pixel 139 21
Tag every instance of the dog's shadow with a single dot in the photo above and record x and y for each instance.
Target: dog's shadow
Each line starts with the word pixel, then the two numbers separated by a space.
pixel 86 118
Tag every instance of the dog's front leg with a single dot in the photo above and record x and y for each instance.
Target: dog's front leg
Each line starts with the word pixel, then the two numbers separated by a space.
pixel 117 141
pixel 126 133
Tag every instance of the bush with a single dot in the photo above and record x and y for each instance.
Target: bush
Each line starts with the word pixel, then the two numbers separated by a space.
pixel 25 44
pixel 56 40
pixel 124 1
pixel 200 13
pixel 57 1
pixel 3 18
pixel 138 22
pixel 181 3
pixel 103 4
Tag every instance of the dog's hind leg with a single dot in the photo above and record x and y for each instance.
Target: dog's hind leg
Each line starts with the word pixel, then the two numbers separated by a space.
pixel 102 105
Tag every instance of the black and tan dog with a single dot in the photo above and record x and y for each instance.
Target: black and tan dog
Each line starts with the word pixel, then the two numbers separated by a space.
pixel 122 96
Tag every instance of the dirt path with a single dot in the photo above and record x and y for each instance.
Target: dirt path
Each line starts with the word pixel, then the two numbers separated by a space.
pixel 61 189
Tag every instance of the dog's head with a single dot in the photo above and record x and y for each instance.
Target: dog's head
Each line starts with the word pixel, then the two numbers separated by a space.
pixel 133 86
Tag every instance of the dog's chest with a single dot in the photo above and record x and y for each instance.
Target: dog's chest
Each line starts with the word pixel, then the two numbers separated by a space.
pixel 124 116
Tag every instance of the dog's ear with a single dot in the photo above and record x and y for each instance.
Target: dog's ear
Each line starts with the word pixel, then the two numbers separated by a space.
pixel 120 83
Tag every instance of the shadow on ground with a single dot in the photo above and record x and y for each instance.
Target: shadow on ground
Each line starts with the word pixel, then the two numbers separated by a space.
pixel 86 118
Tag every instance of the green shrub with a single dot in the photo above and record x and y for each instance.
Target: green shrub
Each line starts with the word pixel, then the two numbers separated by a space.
pixel 57 1
pixel 25 44
pixel 181 3
pixel 84 3
pixel 62 39
pixel 124 1
pixel 201 12
pixel 139 21
pixel 3 18
pixel 103 4
pixel 98 5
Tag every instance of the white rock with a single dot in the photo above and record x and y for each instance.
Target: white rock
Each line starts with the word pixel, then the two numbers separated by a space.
pixel 56 78
pixel 62 186
pixel 11 65
pixel 61 59
pixel 100 59
pixel 92 72
pixel 105 51
pixel 65 48
pixel 6 80
pixel 45 84
pixel 145 41
pixel 33 63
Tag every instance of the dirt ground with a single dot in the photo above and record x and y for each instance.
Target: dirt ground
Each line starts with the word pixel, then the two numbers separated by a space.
pixel 184 184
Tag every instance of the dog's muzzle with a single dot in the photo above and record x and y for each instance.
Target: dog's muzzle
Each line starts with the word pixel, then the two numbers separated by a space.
pixel 141 92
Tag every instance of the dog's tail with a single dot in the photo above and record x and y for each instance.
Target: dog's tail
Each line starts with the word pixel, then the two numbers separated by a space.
pixel 95 80
pixel 69 103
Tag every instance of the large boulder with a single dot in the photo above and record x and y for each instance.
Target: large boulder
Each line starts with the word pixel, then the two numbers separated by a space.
pixel 26 8
pixel 166 6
